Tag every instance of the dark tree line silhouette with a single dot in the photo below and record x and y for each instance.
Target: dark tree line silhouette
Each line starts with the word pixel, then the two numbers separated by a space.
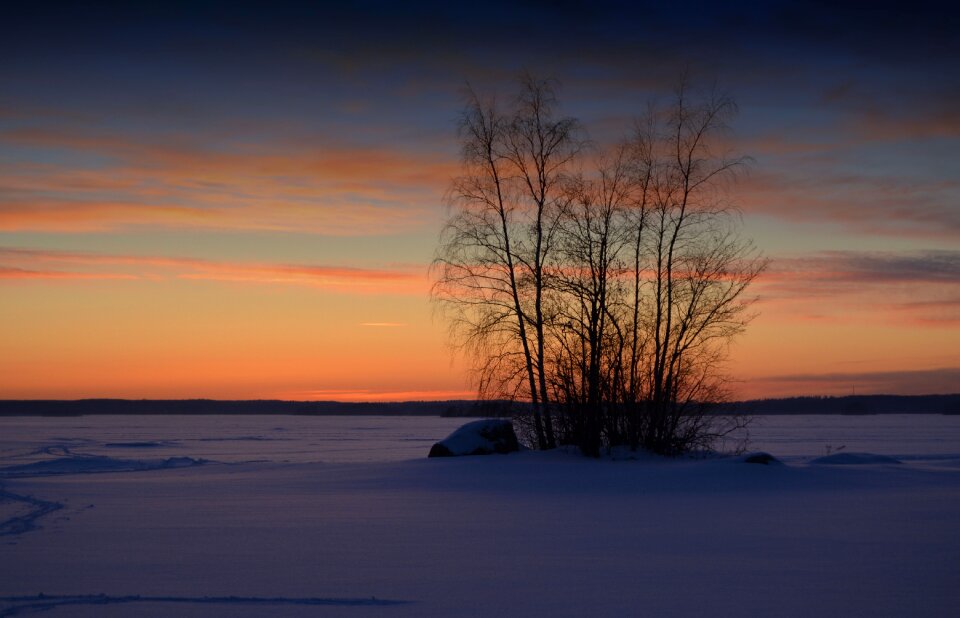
pixel 602 285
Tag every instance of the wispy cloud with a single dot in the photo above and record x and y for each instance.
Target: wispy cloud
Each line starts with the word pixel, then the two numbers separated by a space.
pixel 72 180
pixel 919 287
pixel 876 267
pixel 918 382
pixel 7 272
pixel 372 395
pixel 25 264
pixel 859 203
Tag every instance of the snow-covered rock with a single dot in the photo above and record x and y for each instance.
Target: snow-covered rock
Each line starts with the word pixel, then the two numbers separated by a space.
pixel 478 438
pixel 760 457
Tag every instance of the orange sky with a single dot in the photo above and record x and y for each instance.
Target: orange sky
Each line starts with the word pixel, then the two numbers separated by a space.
pixel 95 325
pixel 245 205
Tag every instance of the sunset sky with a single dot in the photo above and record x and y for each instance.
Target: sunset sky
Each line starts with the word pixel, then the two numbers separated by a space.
pixel 240 200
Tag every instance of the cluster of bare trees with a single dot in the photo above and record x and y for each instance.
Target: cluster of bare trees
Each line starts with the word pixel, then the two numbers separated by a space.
pixel 601 285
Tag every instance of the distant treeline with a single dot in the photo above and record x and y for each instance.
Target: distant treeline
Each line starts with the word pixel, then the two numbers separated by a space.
pixel 854 404
pixel 851 404
pixel 82 407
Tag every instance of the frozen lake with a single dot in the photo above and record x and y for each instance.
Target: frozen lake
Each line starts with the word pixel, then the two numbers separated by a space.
pixel 344 516
pixel 344 439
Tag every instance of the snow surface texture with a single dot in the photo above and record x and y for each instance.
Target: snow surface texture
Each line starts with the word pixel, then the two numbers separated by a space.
pixel 843 459
pixel 94 463
pixel 483 437
pixel 279 522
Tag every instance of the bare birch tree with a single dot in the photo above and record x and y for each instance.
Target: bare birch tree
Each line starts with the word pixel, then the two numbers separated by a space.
pixel 701 269
pixel 491 265
pixel 602 287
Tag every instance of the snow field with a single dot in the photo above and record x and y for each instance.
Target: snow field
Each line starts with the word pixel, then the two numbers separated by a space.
pixel 515 535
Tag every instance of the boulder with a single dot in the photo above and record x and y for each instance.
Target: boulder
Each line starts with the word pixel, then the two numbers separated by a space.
pixel 760 458
pixel 478 438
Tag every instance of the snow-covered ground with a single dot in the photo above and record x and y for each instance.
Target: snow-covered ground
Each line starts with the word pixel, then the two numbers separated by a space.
pixel 340 516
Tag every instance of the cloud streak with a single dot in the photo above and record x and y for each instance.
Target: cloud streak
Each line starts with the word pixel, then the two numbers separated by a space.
pixel 372 395
pixel 920 287
pixel 26 264
pixel 862 267
pixel 7 272
pixel 859 203
pixel 78 181
pixel 943 380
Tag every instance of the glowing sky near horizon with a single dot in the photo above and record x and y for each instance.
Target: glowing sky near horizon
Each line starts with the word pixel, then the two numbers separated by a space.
pixel 240 200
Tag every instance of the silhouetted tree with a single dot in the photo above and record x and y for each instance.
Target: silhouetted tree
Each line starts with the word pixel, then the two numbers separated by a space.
pixel 602 286
pixel 491 266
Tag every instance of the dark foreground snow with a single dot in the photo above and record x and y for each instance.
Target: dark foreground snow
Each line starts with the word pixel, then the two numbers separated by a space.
pixel 518 535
